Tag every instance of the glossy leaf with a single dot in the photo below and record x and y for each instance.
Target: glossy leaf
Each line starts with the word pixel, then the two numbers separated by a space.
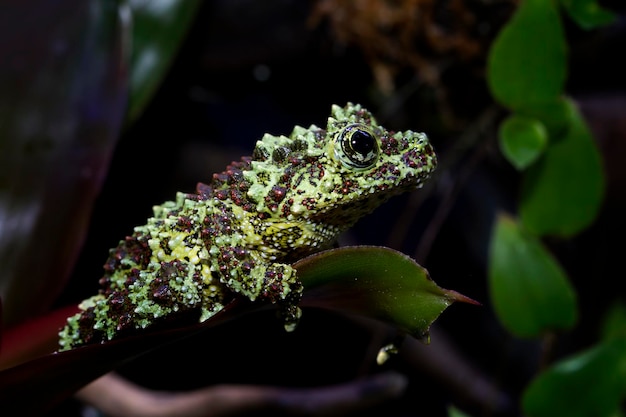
pixel 529 290
pixel 54 377
pixel 562 192
pixel 63 82
pixel 527 62
pixel 33 338
pixel 158 30
pixel 377 282
pixel 589 384
pixel 588 14
pixel 522 139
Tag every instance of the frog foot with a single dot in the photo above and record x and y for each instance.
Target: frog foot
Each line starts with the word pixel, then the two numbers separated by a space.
pixel 290 315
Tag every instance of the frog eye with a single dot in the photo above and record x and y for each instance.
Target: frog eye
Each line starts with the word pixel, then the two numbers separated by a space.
pixel 358 148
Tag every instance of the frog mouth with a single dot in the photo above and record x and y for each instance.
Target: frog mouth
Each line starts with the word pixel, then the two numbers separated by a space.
pixel 343 216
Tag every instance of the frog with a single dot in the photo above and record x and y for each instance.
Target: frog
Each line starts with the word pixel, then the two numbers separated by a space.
pixel 238 236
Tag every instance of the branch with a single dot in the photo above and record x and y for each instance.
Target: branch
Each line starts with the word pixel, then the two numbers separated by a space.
pixel 117 397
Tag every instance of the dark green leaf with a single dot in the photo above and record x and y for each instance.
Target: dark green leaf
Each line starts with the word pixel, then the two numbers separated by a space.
pixel 562 192
pixel 455 412
pixel 614 324
pixel 372 281
pixel 376 282
pixel 555 115
pixel 588 14
pixel 589 384
pixel 527 62
pixel 158 29
pixel 529 291
pixel 522 139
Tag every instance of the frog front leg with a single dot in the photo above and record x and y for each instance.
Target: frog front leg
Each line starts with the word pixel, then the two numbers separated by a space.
pixel 282 287
pixel 249 273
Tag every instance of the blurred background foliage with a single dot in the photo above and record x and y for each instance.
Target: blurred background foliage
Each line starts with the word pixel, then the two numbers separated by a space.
pixel 110 107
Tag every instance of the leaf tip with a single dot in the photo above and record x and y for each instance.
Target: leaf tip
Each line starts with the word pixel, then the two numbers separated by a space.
pixel 458 297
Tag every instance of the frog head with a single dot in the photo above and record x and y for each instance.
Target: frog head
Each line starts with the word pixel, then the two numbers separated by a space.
pixel 337 174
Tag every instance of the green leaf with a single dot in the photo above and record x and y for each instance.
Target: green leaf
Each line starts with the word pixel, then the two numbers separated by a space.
pixel 589 384
pixel 527 63
pixel 614 323
pixel 455 412
pixel 522 139
pixel 529 290
pixel 588 14
pixel 372 281
pixel 562 192
pixel 376 282
pixel 158 29
pixel 555 115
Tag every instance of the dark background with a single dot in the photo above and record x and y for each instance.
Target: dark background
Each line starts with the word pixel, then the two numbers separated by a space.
pixel 248 68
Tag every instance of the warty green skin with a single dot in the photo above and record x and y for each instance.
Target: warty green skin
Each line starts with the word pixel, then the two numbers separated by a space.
pixel 237 236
